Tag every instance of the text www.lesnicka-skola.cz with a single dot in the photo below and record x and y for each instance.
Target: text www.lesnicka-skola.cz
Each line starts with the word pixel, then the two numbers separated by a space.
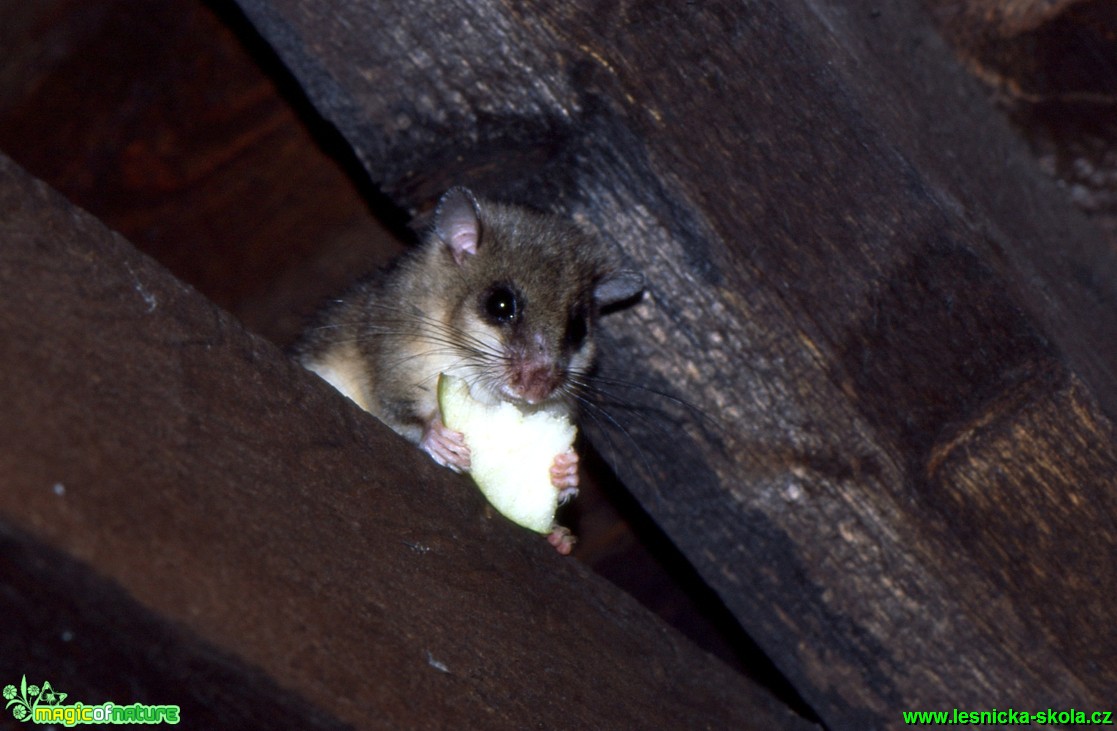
pixel 1009 717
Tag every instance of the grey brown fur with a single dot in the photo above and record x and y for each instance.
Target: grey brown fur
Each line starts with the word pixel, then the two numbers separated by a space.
pixel 386 341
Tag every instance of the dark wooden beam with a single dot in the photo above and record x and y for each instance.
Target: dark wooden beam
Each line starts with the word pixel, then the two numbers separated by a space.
pixel 1050 67
pixel 196 472
pixel 904 334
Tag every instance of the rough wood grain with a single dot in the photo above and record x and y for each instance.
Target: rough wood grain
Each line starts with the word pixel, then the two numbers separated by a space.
pixel 1052 68
pixel 905 334
pixel 187 149
pixel 148 435
pixel 86 636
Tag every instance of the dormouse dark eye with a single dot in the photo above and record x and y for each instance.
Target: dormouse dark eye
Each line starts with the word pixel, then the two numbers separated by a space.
pixel 576 330
pixel 502 306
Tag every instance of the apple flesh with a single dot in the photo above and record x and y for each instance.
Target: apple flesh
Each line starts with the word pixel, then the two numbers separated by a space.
pixel 511 452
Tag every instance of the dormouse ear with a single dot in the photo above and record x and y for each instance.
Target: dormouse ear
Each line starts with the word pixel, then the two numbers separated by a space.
pixel 618 286
pixel 457 224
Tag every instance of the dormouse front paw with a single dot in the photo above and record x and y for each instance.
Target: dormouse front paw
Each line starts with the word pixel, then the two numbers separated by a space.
pixel 445 446
pixel 564 475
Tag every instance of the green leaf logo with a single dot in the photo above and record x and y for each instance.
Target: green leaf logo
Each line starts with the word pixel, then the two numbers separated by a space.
pixel 28 697
pixel 19 699
pixel 42 704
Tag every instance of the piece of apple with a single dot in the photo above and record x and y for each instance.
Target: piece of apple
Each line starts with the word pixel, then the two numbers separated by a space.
pixel 511 452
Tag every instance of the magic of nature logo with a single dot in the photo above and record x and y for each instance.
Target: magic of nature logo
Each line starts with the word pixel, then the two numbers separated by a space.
pixel 43 704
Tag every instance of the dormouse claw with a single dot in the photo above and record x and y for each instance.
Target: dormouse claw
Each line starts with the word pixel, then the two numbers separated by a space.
pixel 446 446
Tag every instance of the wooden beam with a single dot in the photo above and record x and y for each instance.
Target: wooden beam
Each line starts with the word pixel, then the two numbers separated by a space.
pixel 904 334
pixel 146 435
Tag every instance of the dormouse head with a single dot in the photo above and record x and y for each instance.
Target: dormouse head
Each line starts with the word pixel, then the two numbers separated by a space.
pixel 529 289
